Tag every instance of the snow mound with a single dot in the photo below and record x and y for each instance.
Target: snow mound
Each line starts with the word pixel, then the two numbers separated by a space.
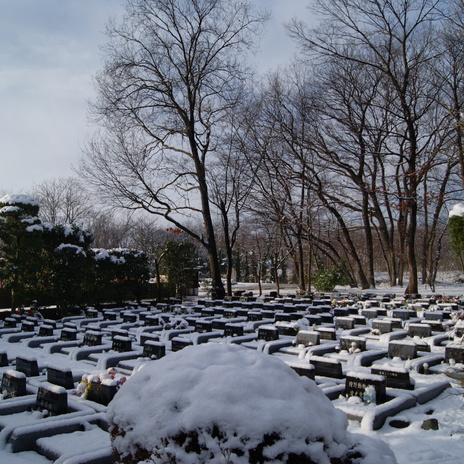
pixel 457 210
pixel 221 403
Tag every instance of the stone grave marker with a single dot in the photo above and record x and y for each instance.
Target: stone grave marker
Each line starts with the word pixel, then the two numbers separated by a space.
pixel 308 338
pixel 152 321
pixel 13 383
pixel 10 323
pixel 110 316
pixel 179 343
pixel 403 349
pixel 203 326
pixel 402 314
pixel 3 359
pixel 28 366
pixel 153 349
pixel 91 313
pixel 121 344
pixel 92 338
pixel 370 313
pixel 253 316
pixel 436 326
pixel 27 326
pixel 233 330
pixel 433 316
pixel 397 323
pixel 341 312
pixel 345 323
pixel 303 370
pixel 395 377
pixel 327 333
pixel 327 367
pixel 419 330
pixel 346 343
pixel 268 333
pixel 383 326
pixel 68 335
pixel 455 351
pixel 356 384
pixel 101 393
pixel 45 331
pixel 61 377
pixel 130 318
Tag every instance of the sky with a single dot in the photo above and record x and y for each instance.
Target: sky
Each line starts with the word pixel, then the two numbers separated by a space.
pixel 49 53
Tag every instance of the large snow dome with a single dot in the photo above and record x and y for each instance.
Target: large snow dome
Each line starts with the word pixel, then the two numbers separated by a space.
pixel 222 403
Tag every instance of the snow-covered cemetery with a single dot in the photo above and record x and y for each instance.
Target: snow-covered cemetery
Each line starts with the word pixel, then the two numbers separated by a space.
pixel 259 257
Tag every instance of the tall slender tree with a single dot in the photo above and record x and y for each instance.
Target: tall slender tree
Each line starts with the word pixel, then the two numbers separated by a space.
pixel 174 69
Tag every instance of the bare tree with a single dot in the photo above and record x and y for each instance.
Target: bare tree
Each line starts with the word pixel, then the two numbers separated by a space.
pixel 63 201
pixel 394 38
pixel 173 71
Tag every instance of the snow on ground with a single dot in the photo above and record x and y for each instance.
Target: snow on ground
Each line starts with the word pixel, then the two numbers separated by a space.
pixel 410 445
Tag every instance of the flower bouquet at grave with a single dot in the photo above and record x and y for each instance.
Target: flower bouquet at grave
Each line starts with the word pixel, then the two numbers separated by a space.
pixel 92 385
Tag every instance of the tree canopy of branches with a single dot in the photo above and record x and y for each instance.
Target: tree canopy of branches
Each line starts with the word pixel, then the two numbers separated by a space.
pixel 174 70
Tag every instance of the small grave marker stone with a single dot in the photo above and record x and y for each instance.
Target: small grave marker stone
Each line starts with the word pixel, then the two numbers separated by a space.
pixel 28 366
pixel 61 377
pixel 121 344
pixel 268 333
pixel 395 377
pixel 153 349
pixel 13 383
pixel 383 326
pixel 68 335
pixel 356 384
pixel 233 330
pixel 345 323
pixel 327 367
pixel 455 351
pixel 403 349
pixel 308 338
pixel 45 331
pixel 346 343
pixel 419 330
pixel 92 338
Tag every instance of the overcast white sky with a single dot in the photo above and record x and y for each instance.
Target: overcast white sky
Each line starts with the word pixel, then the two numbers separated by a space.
pixel 49 51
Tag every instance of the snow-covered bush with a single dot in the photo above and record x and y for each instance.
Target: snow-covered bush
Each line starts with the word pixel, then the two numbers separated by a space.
pixel 223 403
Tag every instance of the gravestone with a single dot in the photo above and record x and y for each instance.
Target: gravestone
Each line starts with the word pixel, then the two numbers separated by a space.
pixel 419 330
pixel 45 331
pixel 436 326
pixel 396 322
pixel 10 323
pixel 403 349
pixel 341 312
pixel 179 343
pixel 327 367
pixel 395 377
pixel 308 338
pixel 203 326
pixel 91 313
pixel 92 338
pixel 145 337
pixel 346 343
pixel 313 319
pixel 356 384
pixel 101 393
pixel 369 313
pixel 268 333
pixel 345 323
pixel 61 377
pixel 121 344
pixel 53 399
pixel 153 349
pixel 455 351
pixel 152 321
pixel 110 316
pixel 402 314
pixel 68 335
pixel 3 359
pixel 383 326
pixel 303 370
pixel 28 366
pixel 13 383
pixel 327 333
pixel 230 313
pixel 283 317
pixel 233 330
pixel 27 326
pixel 129 318
pixel 286 329
pixel 253 316
pixel 433 316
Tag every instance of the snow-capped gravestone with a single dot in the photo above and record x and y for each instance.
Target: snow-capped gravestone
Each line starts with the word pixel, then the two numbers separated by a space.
pixel 221 403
